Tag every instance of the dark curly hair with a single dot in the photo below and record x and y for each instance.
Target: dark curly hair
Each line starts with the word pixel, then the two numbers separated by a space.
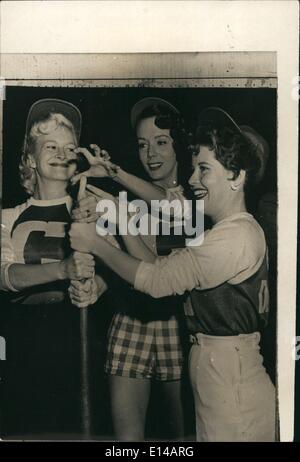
pixel 165 118
pixel 232 149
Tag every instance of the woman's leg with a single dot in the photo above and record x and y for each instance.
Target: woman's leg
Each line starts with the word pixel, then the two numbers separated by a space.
pixel 173 403
pixel 129 403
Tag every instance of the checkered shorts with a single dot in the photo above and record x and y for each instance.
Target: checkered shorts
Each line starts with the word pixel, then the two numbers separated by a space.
pixel 138 349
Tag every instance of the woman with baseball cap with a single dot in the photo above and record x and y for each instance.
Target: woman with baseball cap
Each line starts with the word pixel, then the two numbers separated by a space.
pixel 227 278
pixel 146 346
pixel 37 266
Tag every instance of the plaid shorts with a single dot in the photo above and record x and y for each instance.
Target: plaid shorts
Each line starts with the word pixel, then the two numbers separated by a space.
pixel 150 350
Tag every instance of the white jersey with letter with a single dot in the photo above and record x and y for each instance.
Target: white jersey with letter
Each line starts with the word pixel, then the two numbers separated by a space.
pixel 35 233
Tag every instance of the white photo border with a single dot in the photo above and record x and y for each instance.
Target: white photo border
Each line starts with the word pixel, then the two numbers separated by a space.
pixel 215 26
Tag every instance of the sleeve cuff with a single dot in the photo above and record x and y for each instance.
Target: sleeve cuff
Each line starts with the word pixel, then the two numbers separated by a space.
pixel 6 283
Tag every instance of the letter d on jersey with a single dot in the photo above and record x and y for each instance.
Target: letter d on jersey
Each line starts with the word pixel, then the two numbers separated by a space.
pixel 2 349
pixel 296 348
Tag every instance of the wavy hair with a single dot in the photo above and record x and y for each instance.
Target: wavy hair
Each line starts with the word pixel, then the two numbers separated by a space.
pixel 165 118
pixel 233 150
pixel 42 127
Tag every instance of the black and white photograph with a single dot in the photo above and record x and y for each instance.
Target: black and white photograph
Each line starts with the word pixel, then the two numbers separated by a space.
pixel 140 247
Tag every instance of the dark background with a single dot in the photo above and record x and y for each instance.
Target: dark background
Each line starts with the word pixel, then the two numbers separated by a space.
pixel 106 122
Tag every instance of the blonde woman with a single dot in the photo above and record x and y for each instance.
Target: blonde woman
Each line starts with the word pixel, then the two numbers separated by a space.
pixel 37 266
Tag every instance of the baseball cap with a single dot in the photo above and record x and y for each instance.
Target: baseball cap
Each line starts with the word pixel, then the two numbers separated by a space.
pixel 144 103
pixel 43 107
pixel 221 118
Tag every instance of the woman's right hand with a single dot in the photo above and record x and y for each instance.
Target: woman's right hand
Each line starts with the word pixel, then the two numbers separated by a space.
pixel 99 194
pixel 100 164
pixel 77 266
pixel 85 211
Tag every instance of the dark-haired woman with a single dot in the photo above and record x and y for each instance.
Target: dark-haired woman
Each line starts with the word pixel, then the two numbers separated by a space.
pixel 227 277
pixel 146 346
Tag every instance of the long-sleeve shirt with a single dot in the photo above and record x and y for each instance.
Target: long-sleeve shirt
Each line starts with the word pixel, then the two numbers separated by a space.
pixel 35 233
pixel 233 252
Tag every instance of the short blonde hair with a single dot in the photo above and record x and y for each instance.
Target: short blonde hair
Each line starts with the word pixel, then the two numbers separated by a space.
pixel 43 127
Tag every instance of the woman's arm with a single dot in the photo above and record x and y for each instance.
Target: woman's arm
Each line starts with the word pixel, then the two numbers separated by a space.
pixel 84 235
pixel 229 254
pixel 20 276
pixel 17 276
pixel 138 249
pixel 102 167
pixel 86 213
pixel 141 188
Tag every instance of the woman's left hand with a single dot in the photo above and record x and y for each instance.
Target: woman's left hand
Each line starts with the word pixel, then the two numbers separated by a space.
pixel 85 293
pixel 81 292
pixel 83 236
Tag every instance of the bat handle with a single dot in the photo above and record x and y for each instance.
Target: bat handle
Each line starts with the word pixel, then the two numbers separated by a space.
pixel 84 373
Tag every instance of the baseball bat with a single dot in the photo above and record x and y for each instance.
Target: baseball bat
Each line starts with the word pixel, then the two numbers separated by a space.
pixel 85 400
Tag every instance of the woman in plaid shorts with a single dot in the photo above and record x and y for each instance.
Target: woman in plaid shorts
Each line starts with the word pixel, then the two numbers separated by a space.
pixel 146 345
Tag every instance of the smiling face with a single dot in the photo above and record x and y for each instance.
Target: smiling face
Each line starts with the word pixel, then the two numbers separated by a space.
pixel 211 182
pixel 156 151
pixel 53 155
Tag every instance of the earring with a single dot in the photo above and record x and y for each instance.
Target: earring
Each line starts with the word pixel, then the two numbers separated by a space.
pixel 234 187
